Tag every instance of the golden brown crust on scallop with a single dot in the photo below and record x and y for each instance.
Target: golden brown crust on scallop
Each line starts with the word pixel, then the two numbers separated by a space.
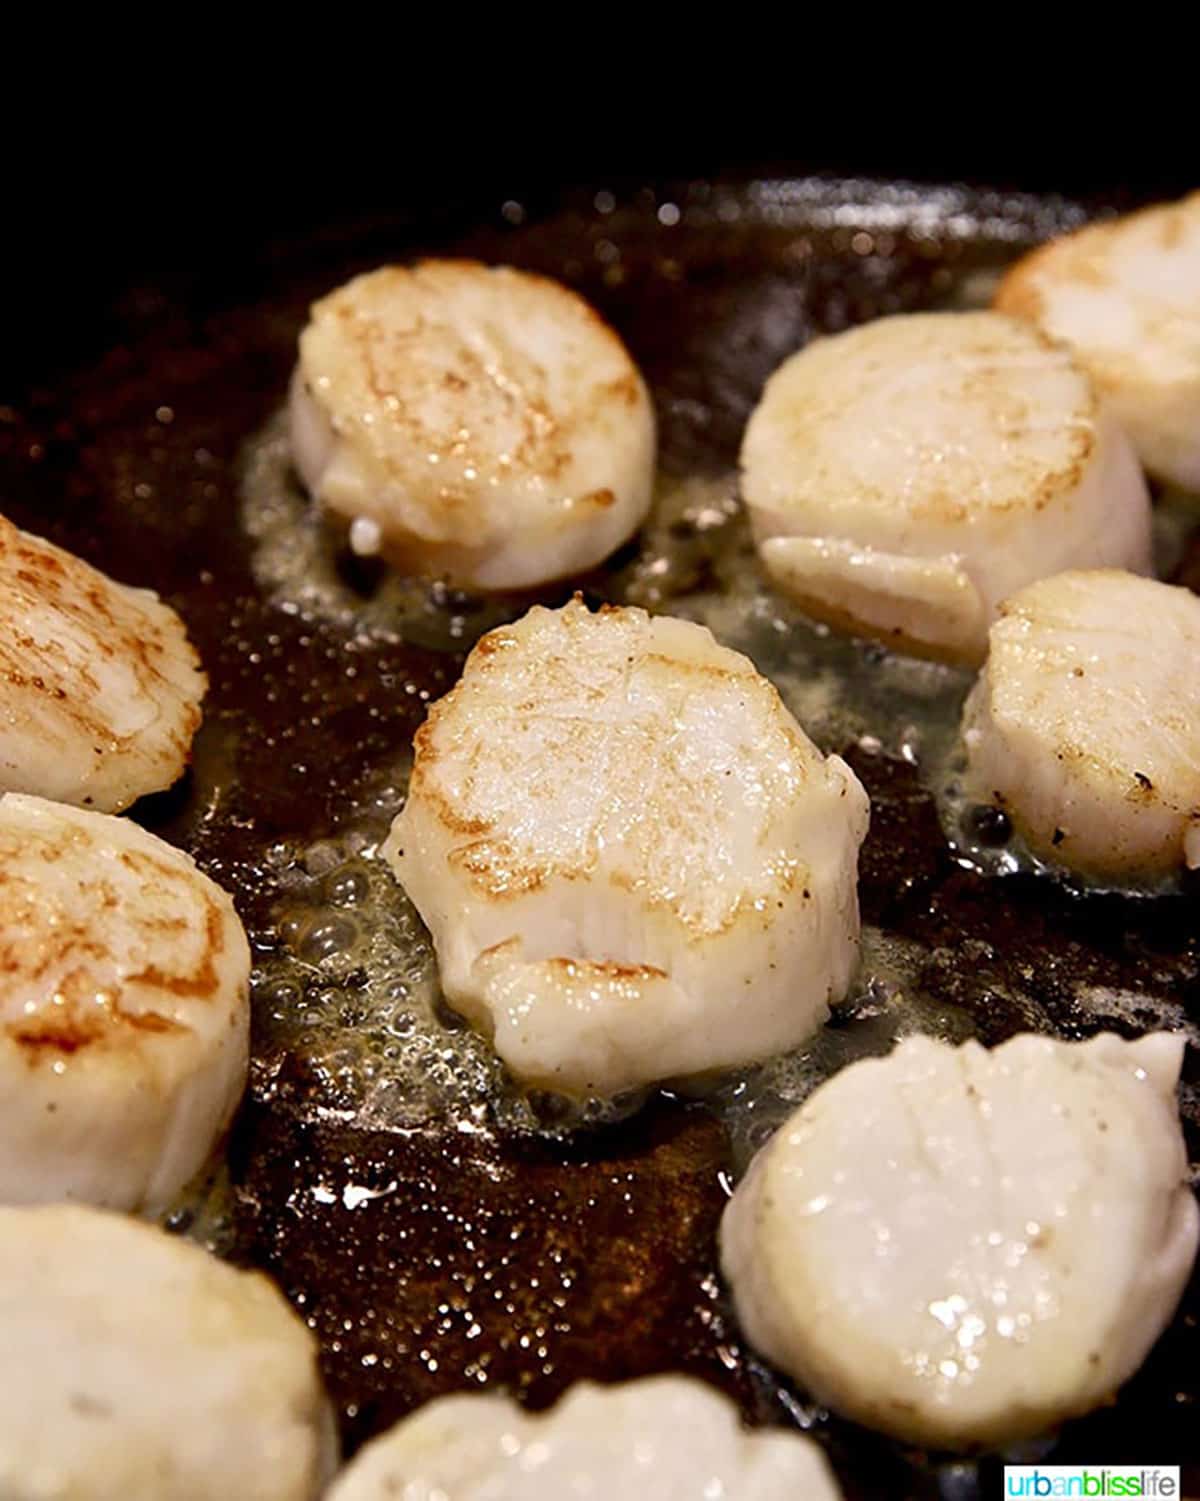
pixel 489 847
pixel 92 674
pixel 95 938
pixel 1095 259
pixel 386 343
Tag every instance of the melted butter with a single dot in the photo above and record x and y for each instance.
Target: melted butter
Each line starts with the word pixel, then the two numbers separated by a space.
pixel 204 1211
pixel 306 564
pixel 350 985
pixel 698 561
pixel 1137 1010
pixel 1176 517
pixel 968 829
pixel 886 1005
pixel 351 982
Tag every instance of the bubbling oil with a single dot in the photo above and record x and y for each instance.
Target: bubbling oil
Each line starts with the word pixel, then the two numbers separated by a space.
pixel 698 561
pixel 886 1005
pixel 302 564
pixel 350 982
pixel 204 1210
pixel 984 839
pixel 350 985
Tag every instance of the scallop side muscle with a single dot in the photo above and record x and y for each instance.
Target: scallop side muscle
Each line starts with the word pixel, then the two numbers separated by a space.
pixel 906 476
pixel 124 1020
pixel 634 863
pixel 100 689
pixel 476 423
pixel 962 1247
pixel 668 1436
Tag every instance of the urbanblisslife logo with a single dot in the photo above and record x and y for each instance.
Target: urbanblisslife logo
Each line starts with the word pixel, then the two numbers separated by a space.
pixel 1092 1480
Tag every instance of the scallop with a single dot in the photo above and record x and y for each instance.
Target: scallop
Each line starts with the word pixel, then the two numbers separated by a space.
pixel 963 1248
pixel 634 863
pixel 1084 726
pixel 670 1437
pixel 136 1366
pixel 1125 294
pixel 475 423
pixel 905 477
pixel 100 689
pixel 124 1019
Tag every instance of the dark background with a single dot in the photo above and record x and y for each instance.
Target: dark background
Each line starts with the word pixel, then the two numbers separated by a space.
pixel 148 175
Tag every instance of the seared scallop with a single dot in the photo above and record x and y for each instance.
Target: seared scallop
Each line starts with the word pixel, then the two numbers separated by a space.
pixel 100 689
pixel 124 1017
pixel 1084 726
pixel 962 1247
pixel 634 863
pixel 475 423
pixel 670 1437
pixel 904 477
pixel 136 1367
pixel 1125 294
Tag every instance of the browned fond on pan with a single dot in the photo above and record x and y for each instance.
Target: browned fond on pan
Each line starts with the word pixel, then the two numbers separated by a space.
pixel 433 1261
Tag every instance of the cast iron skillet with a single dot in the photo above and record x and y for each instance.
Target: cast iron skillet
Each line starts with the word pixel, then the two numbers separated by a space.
pixel 488 1258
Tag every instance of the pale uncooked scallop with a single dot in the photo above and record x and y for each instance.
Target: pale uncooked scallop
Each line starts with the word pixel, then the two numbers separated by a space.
pixel 670 1437
pixel 124 1018
pixel 1084 726
pixel 1125 294
pixel 136 1367
pixel 906 476
pixel 634 863
pixel 963 1248
pixel 475 423
pixel 100 689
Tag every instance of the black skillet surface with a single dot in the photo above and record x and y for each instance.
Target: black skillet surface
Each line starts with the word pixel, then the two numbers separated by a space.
pixel 488 1260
